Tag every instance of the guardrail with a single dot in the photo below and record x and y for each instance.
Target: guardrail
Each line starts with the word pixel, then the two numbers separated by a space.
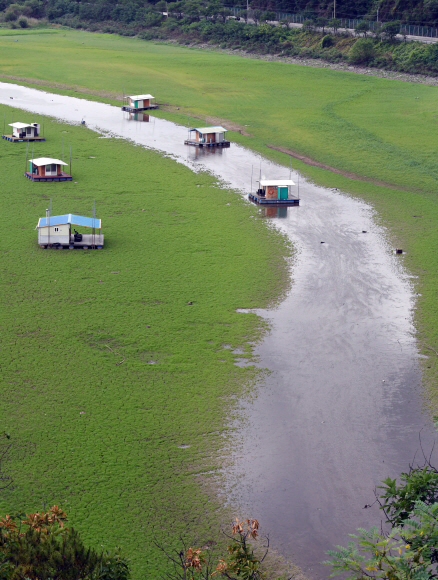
pixel 348 23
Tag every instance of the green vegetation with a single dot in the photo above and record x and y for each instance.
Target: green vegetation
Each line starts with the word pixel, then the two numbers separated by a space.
pixel 382 130
pixel 129 450
pixel 40 547
pixel 408 551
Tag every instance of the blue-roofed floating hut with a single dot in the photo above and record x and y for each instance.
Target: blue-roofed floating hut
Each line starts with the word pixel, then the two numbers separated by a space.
pixel 275 192
pixel 207 137
pixel 55 232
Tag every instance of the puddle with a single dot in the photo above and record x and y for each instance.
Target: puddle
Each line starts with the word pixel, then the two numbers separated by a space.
pixel 340 408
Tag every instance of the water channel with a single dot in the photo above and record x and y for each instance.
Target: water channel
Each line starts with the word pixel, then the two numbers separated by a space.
pixel 341 407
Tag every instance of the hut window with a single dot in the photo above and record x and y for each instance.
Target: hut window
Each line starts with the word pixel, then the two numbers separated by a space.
pixel 56 229
pixel 51 168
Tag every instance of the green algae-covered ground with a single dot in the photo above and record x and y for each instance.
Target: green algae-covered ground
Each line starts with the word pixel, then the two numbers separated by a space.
pixel 126 449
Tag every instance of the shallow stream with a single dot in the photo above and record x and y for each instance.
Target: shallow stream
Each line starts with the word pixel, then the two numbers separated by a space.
pixel 341 407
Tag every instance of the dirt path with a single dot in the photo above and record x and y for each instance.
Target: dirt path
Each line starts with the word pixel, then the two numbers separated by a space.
pixel 349 174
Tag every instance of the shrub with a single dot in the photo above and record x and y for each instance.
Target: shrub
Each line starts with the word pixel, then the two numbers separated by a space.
pixel 362 51
pixel 10 16
pixel 23 22
pixel 326 41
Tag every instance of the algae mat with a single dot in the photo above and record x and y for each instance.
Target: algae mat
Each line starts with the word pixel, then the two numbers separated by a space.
pixel 126 449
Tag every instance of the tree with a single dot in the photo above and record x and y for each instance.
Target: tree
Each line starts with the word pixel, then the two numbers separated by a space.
pixel 309 25
pixel 389 30
pixel 335 24
pixel 268 16
pixel 321 22
pixel 362 28
pixel 256 14
pixel 398 500
pixel 409 551
pixel 176 8
pixel 41 548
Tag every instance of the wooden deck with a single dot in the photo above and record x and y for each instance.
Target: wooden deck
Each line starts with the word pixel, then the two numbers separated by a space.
pixel 87 242
pixel 61 177
pixel 254 197
pixel 134 110
pixel 21 139
pixel 198 144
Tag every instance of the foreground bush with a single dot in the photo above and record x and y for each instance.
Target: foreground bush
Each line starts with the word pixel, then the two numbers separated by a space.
pixel 41 548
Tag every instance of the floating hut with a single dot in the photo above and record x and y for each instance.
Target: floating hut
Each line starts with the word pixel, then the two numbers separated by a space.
pixel 137 103
pixel 55 232
pixel 24 132
pixel 275 192
pixel 207 137
pixel 47 169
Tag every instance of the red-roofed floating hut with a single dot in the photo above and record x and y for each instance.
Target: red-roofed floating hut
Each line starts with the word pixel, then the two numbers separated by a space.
pixel 47 169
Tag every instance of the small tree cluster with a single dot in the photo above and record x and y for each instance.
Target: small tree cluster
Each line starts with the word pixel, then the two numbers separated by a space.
pixel 192 563
pixel 40 547
pixel 410 550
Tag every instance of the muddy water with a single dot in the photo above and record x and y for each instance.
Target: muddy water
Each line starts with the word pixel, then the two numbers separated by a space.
pixel 340 409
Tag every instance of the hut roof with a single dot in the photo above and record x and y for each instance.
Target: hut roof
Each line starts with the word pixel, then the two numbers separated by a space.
pixel 140 97
pixel 76 220
pixel 46 161
pixel 215 129
pixel 280 182
pixel 21 125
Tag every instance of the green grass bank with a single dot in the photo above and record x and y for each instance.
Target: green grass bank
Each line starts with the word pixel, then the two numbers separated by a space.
pixel 383 130
pixel 128 450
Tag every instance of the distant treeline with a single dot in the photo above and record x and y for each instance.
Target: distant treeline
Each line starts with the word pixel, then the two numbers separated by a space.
pixel 424 12
pixel 202 21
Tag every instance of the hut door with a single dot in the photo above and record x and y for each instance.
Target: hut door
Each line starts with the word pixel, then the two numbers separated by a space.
pixel 282 193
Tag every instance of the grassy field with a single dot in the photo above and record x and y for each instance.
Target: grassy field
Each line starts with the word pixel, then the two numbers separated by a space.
pixel 126 448
pixel 383 129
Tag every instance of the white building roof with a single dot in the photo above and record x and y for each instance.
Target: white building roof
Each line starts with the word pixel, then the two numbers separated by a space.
pixel 141 97
pixel 20 125
pixel 217 129
pixel 46 161
pixel 280 182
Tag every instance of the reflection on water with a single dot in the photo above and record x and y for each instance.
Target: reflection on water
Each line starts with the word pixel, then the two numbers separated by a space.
pixel 340 409
pixel 199 153
pixel 276 211
pixel 142 117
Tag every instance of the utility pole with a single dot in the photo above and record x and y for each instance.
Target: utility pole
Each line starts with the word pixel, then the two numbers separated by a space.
pixel 334 10
pixel 377 15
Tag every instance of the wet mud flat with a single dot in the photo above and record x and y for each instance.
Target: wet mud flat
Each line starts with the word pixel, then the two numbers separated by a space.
pixel 340 408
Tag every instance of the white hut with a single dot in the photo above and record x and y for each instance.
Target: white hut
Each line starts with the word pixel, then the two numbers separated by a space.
pixel 24 132
pixel 207 137
pixel 275 192
pixel 136 103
